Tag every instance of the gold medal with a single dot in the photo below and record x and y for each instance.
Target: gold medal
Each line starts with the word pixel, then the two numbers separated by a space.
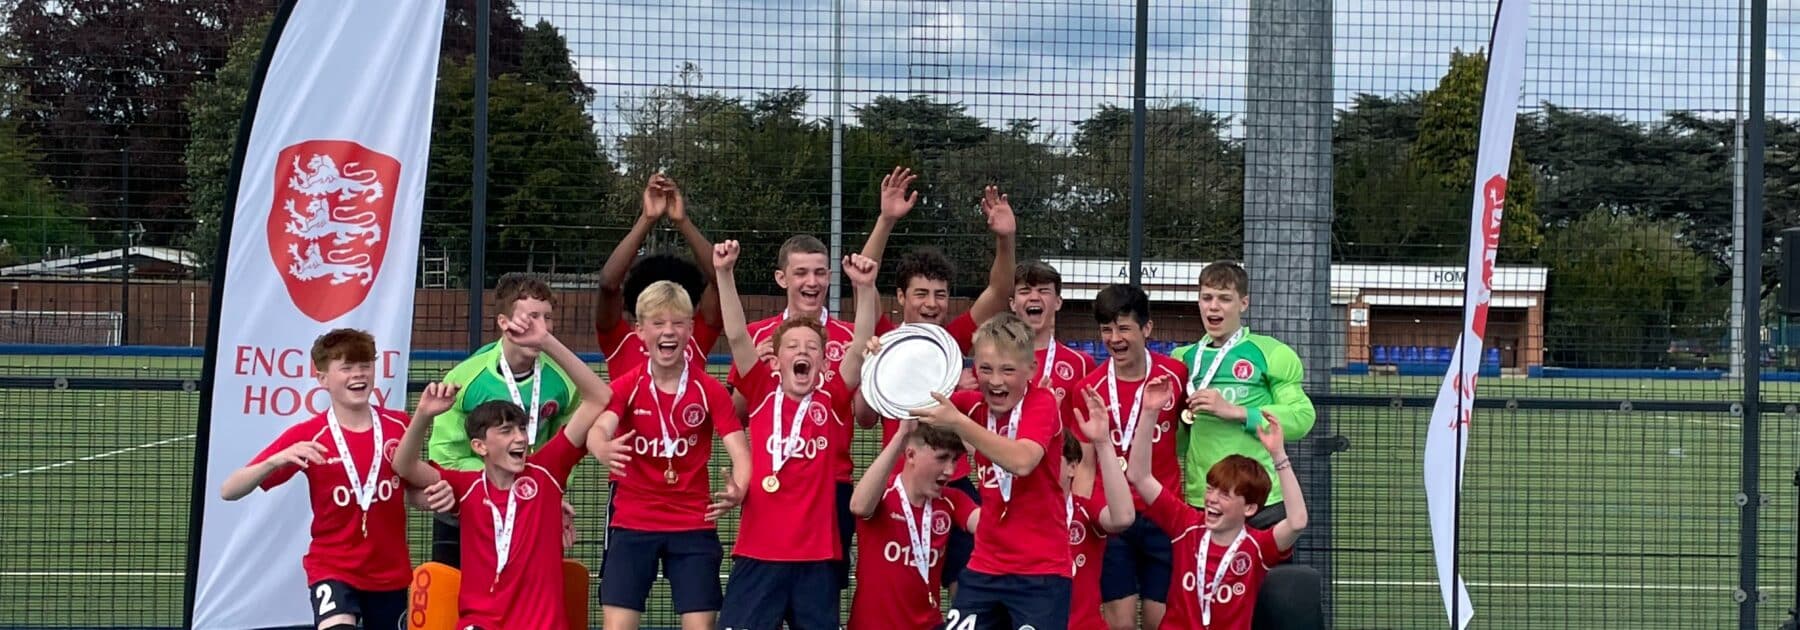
pixel 1187 416
pixel 669 476
pixel 1122 464
pixel 771 484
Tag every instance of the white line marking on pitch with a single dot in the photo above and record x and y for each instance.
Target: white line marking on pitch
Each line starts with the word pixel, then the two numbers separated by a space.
pixel 99 456
pixel 90 574
pixel 1543 585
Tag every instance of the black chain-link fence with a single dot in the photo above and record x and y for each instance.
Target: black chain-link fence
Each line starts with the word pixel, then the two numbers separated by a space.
pixel 1329 145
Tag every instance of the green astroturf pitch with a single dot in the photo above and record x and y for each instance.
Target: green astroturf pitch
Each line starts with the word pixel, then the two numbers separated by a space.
pixel 1571 519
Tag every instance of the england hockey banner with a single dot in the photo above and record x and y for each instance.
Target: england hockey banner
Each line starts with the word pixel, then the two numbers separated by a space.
pixel 322 233
pixel 1446 441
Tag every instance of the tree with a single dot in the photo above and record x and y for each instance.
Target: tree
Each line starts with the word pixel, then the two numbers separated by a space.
pixel 103 84
pixel 1193 180
pixel 214 110
pixel 1445 153
pixel 35 222
pixel 546 62
pixel 1622 287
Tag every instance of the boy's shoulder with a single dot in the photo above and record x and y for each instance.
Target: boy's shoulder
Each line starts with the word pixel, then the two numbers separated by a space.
pixel 471 368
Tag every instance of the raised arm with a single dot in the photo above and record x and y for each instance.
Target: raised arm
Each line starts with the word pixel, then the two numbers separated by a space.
pixel 612 274
pixel 1001 222
pixel 861 270
pixel 437 398
pixel 1018 457
pixel 874 481
pixel 1137 466
pixel 731 307
pixel 1288 530
pixel 1096 425
pixel 708 308
pixel 895 203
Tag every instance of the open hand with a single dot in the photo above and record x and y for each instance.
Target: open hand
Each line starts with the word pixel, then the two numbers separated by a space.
pixel 615 453
pixel 725 499
pixel 895 202
pixel 998 210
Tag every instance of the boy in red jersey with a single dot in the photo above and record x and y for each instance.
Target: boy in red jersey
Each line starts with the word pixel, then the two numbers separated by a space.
pixel 904 527
pixel 1099 506
pixel 1137 561
pixel 625 275
pixel 1036 298
pixel 510 509
pixel 800 426
pixel 1219 560
pixel 1019 573
pixel 660 510
pixel 357 566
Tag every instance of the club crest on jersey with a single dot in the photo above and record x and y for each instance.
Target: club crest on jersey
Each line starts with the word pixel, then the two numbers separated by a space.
pixel 1077 533
pixel 940 523
pixel 693 415
pixel 388 449
pixel 817 415
pixel 1240 564
pixel 1064 371
pixel 548 410
pixel 526 488
pixel 332 205
pixel 1242 370
pixel 834 351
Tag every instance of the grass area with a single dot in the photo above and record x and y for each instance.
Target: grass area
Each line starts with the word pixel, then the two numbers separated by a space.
pixel 1571 519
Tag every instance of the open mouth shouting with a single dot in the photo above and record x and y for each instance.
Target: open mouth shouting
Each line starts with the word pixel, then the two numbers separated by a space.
pixel 668 349
pixel 803 369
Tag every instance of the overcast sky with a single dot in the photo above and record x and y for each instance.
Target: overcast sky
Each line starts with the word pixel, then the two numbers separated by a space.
pixel 1056 60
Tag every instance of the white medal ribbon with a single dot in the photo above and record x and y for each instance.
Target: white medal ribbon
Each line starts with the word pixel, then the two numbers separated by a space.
pixel 1049 360
pixel 918 534
pixel 1069 508
pixel 670 432
pixel 1208 588
pixel 1012 433
pixel 537 388
pixel 365 491
pixel 1218 359
pixel 780 456
pixel 824 318
pixel 503 526
pixel 1127 425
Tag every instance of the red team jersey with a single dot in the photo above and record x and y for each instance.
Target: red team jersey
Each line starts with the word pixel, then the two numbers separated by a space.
pixel 528 594
pixel 798 522
pixel 1087 544
pixel 1071 366
pixel 625 350
pixel 889 592
pixel 339 551
pixel 1164 466
pixel 1027 535
pixel 838 335
pixel 1235 600
pixel 644 500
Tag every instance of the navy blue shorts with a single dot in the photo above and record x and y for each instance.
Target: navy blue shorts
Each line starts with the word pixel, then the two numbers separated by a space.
pixel 846 529
pixel 374 609
pixel 1137 563
pixel 690 560
pixel 984 602
pixel 761 595
pixel 962 543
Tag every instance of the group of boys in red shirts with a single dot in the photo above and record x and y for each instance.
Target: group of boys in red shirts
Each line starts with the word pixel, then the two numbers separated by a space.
pixel 1071 459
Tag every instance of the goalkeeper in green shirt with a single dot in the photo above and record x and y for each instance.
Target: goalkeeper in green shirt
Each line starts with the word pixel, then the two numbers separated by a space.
pixel 503 370
pixel 1236 382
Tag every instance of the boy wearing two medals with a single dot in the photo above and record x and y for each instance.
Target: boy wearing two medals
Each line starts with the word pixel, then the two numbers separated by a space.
pixel 357 565
pixel 510 370
pixel 800 427
pixel 510 509
pixel 1220 560
pixel 1137 564
pixel 666 412
pixel 1238 382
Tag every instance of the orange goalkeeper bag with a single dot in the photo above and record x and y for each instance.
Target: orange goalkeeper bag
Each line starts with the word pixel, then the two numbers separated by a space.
pixel 432 597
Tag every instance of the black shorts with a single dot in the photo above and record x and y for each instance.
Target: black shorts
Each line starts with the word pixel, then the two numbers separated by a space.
pixel 1137 563
pixel 376 610
pixel 690 560
pixel 761 595
pixel 985 602
pixel 446 540
pixel 962 543
pixel 846 521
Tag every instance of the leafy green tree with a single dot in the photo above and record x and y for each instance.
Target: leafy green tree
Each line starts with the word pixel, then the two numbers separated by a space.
pixel 1622 287
pixel 35 221
pixel 1193 179
pixel 1449 136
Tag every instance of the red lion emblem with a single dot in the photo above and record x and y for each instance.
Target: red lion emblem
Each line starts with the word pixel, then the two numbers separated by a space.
pixel 331 211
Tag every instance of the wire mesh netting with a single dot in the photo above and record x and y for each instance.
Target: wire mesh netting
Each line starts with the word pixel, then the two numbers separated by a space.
pixel 1327 145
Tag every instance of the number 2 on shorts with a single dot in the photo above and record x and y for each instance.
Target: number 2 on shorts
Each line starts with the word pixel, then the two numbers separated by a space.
pixel 958 622
pixel 326 605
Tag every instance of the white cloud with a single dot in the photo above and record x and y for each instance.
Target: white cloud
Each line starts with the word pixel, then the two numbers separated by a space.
pixel 1056 60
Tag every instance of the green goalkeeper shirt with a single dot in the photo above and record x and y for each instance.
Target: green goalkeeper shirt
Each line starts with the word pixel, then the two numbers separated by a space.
pixel 478 380
pixel 1261 375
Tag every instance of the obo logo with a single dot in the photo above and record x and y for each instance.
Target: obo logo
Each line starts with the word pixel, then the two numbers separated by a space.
pixel 330 211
